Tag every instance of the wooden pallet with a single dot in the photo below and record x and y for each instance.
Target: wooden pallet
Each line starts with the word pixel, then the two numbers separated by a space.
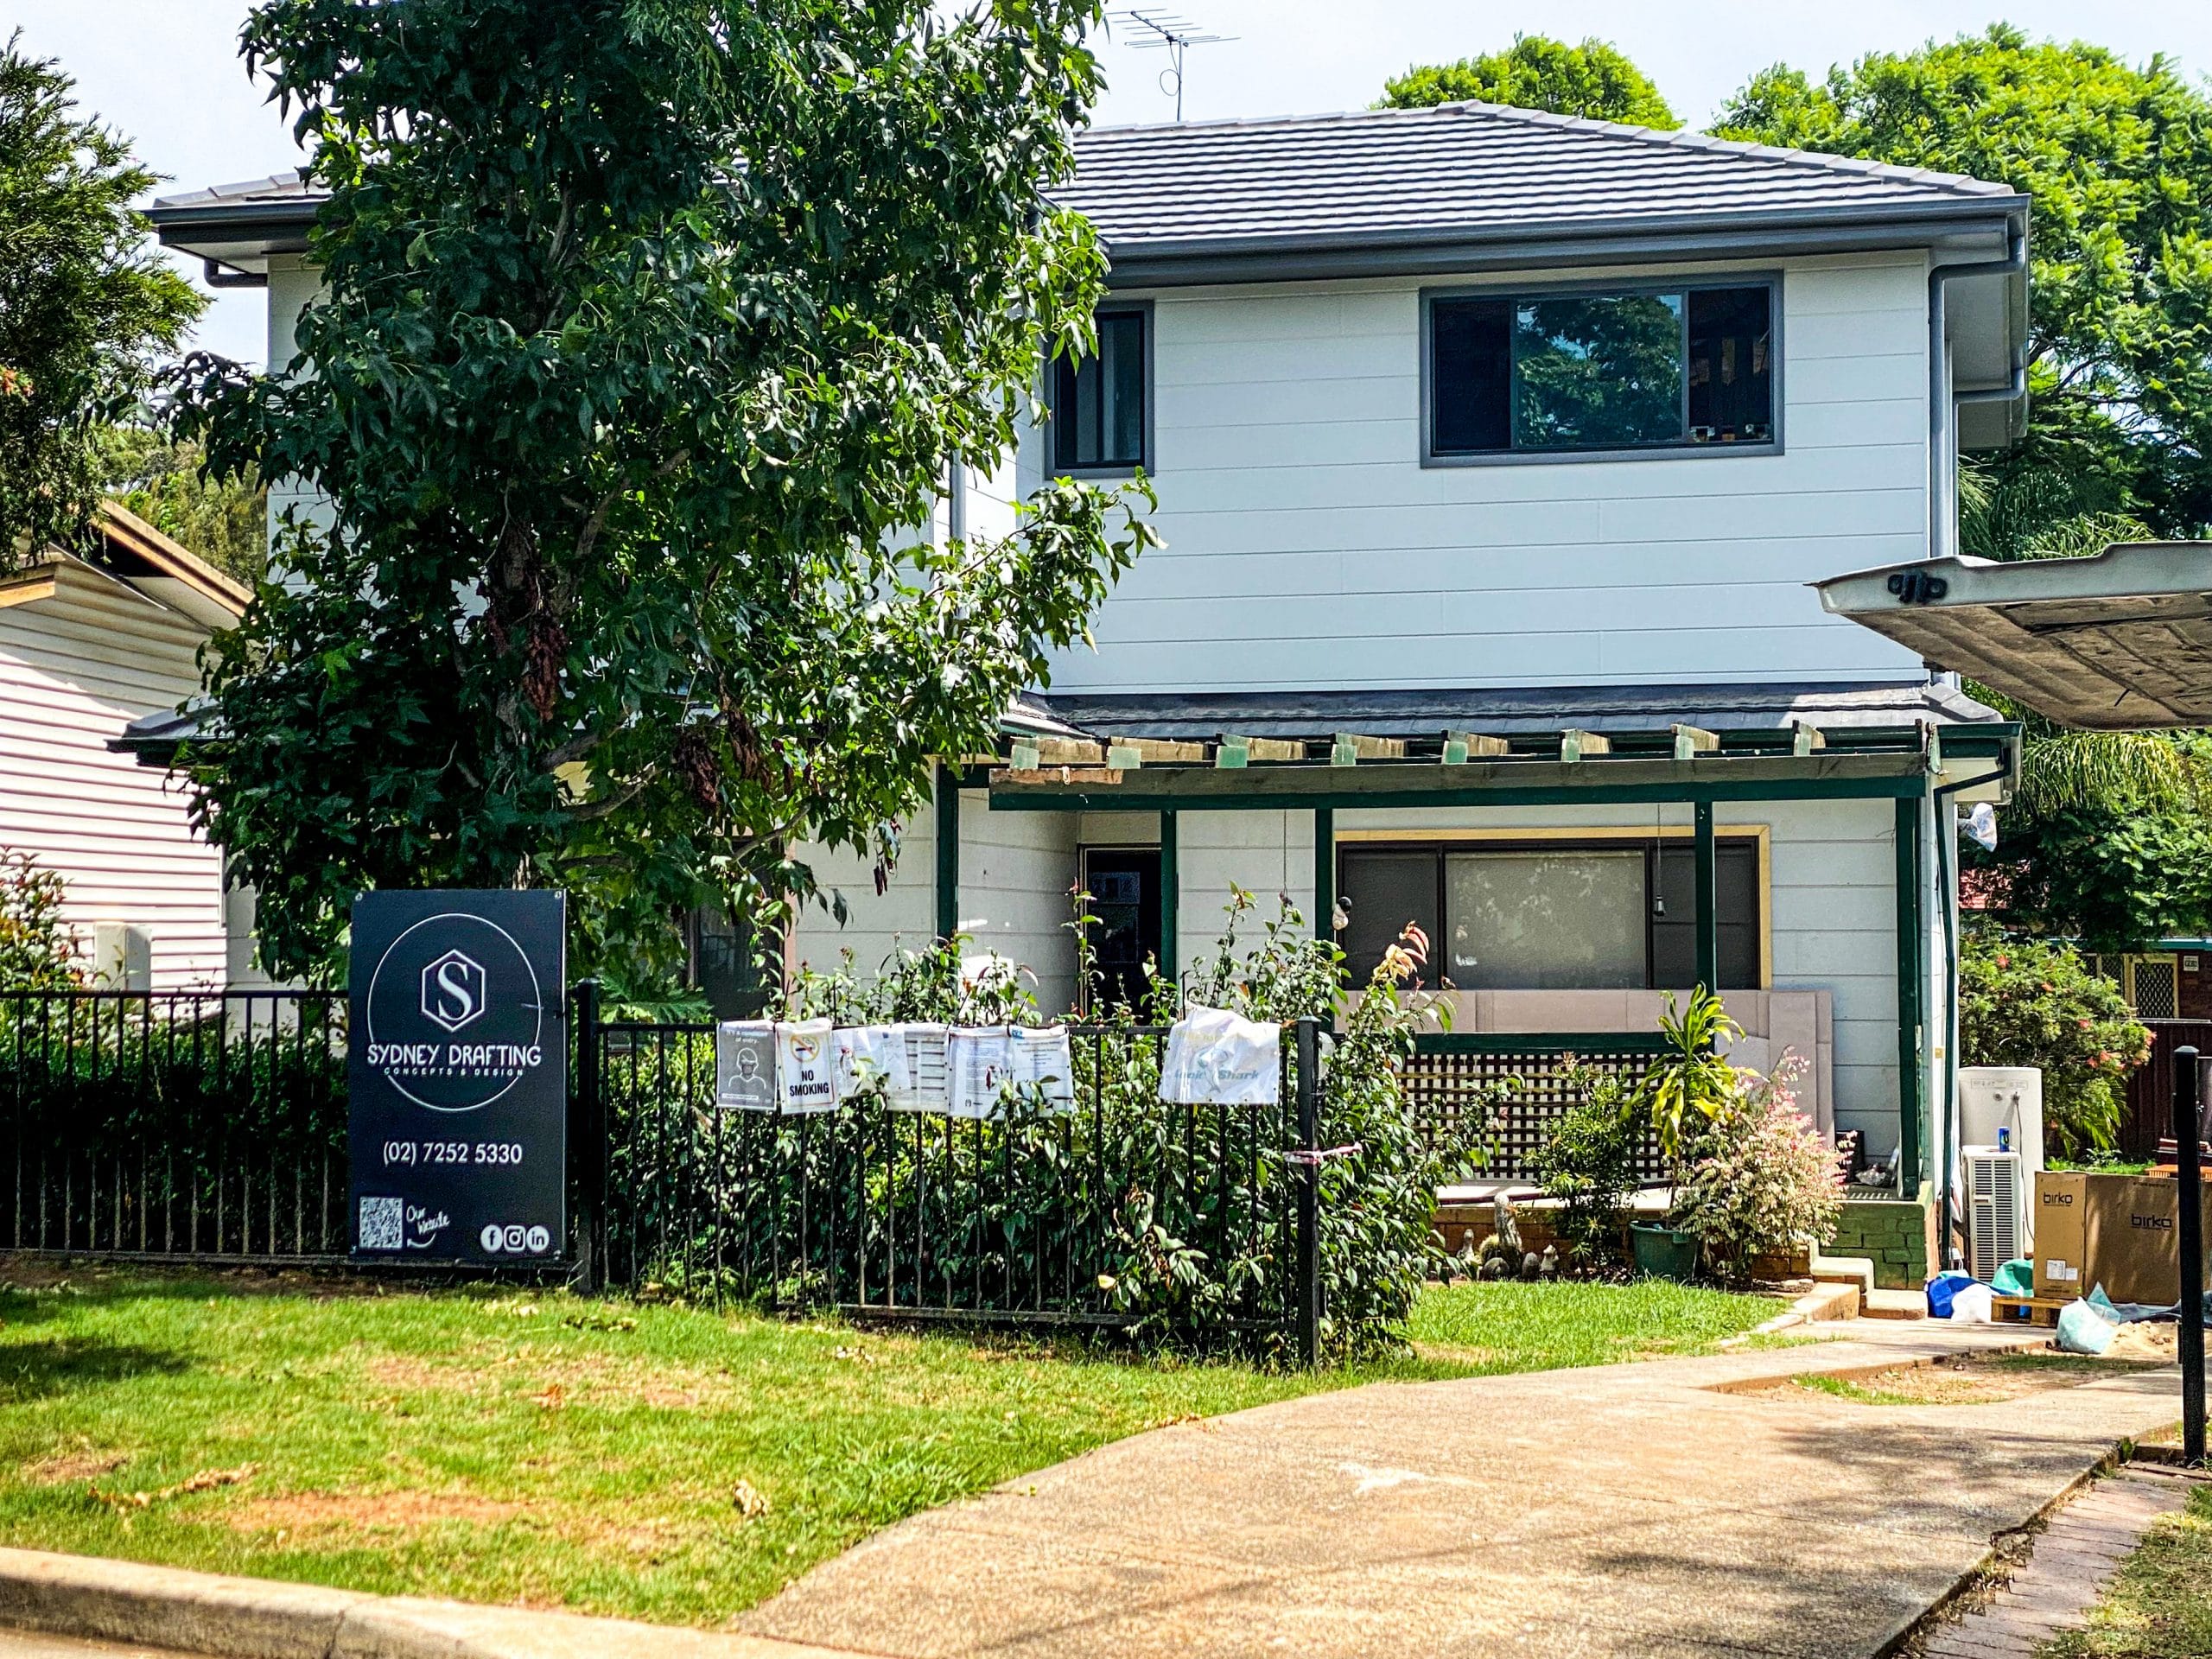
pixel 2026 1310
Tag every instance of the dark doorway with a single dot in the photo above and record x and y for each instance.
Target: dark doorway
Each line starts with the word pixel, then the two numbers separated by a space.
pixel 1123 883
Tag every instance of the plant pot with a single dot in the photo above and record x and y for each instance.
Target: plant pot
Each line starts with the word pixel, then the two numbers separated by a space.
pixel 1664 1252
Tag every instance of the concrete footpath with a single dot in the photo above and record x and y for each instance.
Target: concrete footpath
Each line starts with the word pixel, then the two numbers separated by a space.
pixel 1638 1511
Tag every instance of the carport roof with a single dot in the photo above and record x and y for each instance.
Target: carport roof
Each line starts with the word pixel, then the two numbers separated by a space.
pixel 2116 642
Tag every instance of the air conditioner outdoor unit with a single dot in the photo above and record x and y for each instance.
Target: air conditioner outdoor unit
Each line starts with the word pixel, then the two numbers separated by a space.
pixel 1997 1211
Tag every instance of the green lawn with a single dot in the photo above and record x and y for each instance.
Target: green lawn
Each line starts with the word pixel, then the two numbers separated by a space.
pixel 651 1461
pixel 2161 1604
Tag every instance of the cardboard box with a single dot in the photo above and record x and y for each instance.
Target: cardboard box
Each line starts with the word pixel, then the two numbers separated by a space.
pixel 2114 1231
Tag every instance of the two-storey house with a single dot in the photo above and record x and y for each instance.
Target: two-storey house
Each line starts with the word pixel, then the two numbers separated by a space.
pixel 1494 452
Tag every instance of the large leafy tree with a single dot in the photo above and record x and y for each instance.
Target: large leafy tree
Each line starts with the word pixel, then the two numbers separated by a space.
pixel 2117 162
pixel 224 520
pixel 651 329
pixel 84 308
pixel 1593 79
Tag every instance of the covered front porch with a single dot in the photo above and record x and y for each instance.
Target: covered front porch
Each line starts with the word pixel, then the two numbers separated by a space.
pixel 1781 846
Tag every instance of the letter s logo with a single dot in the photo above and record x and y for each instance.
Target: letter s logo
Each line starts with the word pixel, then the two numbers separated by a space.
pixel 458 1002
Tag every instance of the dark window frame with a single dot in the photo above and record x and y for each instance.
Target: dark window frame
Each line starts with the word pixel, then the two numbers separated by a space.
pixel 1674 450
pixel 1142 309
pixel 1652 847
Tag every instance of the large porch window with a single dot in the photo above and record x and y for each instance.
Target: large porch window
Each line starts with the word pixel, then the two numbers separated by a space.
pixel 1599 915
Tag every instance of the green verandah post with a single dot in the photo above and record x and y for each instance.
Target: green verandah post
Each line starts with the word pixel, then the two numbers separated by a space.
pixel 1912 1084
pixel 1708 903
pixel 1171 904
pixel 1324 872
pixel 947 851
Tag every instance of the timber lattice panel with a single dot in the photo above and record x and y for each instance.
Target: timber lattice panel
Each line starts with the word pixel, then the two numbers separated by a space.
pixel 1449 1092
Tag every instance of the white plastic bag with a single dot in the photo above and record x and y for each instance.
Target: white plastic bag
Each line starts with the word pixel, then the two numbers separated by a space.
pixel 1218 1058
pixel 1970 1304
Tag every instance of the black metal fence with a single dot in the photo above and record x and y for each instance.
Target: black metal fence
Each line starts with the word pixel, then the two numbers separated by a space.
pixel 173 1123
pixel 1032 1217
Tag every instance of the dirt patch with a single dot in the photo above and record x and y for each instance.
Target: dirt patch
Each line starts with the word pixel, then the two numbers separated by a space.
pixel 1958 1380
pixel 311 1514
pixel 85 1462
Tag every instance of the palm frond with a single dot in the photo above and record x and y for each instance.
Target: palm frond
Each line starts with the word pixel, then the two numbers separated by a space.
pixel 2061 770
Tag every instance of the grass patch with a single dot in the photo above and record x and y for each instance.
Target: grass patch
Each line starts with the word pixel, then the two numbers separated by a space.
pixel 1485 1328
pixel 2160 1605
pixel 654 1462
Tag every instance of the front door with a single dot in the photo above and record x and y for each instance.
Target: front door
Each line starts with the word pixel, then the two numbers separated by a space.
pixel 1123 883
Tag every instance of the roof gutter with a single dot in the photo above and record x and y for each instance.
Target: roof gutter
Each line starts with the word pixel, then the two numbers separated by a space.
pixel 1943 400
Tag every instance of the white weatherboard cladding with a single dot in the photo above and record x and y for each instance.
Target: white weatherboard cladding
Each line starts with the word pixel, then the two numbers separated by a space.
pixel 1269 854
pixel 1306 548
pixel 1016 870
pixel 74 670
pixel 1833 925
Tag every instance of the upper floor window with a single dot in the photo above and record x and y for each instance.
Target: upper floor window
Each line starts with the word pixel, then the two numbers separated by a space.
pixel 1629 369
pixel 1101 420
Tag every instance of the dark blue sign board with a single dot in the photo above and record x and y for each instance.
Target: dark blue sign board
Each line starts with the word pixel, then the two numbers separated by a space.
pixel 458 1076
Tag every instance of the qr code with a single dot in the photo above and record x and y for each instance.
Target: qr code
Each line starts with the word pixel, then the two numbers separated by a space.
pixel 382 1221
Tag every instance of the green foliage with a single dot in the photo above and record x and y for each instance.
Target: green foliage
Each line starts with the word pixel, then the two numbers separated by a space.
pixel 84 304
pixel 2116 873
pixel 1589 1164
pixel 1759 1178
pixel 1692 1079
pixel 39 951
pixel 224 520
pixel 1180 1220
pixel 2117 160
pixel 1594 80
pixel 651 327
pixel 2034 1002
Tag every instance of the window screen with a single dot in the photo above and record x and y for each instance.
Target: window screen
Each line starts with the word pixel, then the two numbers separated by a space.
pixel 1545 921
pixel 1673 917
pixel 1381 892
pixel 1098 414
pixel 1552 373
pixel 1611 916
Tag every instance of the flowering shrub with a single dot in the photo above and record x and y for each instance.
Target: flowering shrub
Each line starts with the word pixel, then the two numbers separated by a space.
pixel 38 949
pixel 1757 1177
pixel 2035 1002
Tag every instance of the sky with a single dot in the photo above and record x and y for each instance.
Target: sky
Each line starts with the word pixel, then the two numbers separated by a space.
pixel 165 71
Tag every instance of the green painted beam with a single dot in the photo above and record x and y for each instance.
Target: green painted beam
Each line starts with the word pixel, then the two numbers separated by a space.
pixel 1541 1042
pixel 1911 1093
pixel 947 851
pixel 1612 783
pixel 1324 872
pixel 1705 859
pixel 1170 901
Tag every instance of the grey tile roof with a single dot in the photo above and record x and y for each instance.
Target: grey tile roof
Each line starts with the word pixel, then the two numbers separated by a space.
pixel 1462 168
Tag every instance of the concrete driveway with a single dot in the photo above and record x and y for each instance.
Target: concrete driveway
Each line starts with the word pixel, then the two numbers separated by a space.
pixel 1633 1510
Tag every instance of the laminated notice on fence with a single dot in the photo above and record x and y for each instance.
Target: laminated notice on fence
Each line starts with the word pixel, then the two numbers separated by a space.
pixel 806 1066
pixel 1044 1059
pixel 978 1061
pixel 925 1084
pixel 745 1065
pixel 867 1056
pixel 1216 1058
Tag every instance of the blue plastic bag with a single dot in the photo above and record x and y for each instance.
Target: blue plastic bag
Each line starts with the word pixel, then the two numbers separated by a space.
pixel 1942 1289
pixel 2082 1330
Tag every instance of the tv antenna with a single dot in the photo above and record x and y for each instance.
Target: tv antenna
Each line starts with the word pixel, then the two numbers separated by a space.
pixel 1156 29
